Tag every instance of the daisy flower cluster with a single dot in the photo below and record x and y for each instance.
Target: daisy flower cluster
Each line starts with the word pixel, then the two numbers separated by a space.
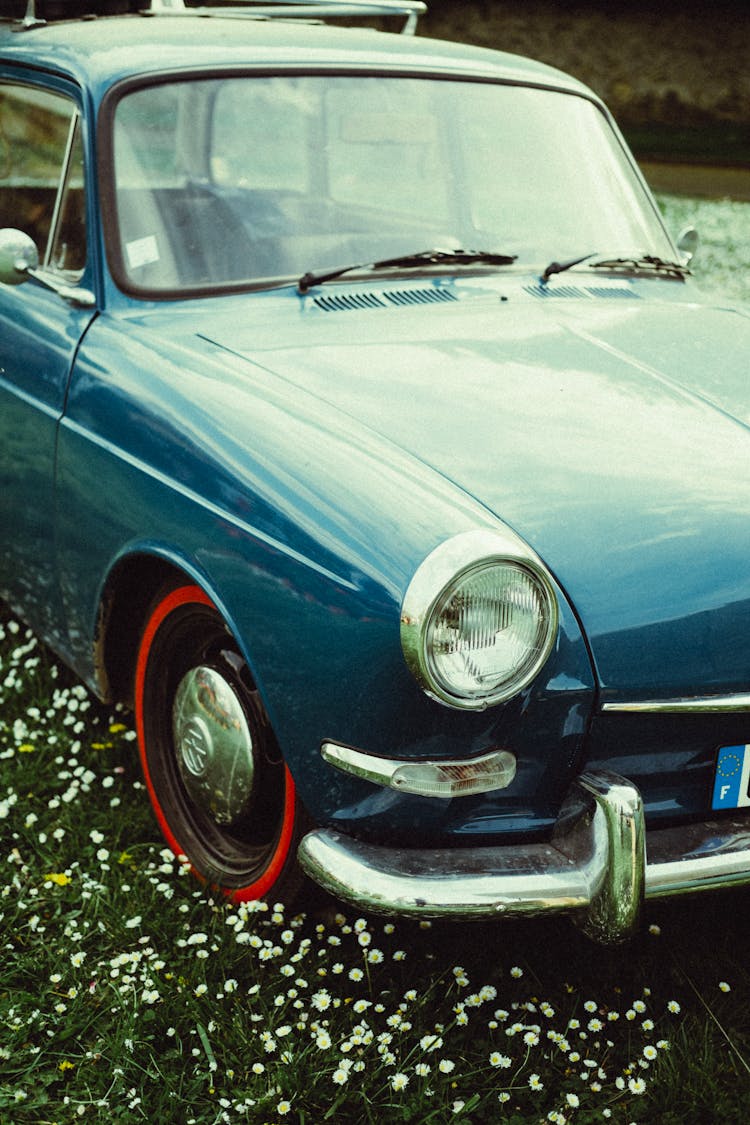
pixel 129 993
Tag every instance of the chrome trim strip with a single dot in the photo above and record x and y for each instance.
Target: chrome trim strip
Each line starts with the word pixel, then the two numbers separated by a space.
pixel 62 187
pixel 365 766
pixel 599 865
pixel 708 704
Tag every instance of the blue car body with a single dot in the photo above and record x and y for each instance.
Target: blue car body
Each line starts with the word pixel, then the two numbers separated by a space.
pixel 297 453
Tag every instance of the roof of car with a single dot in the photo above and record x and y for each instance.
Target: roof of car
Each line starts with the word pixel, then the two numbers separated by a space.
pixel 99 52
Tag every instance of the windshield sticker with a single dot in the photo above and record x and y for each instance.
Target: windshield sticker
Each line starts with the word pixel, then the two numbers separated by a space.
pixel 142 252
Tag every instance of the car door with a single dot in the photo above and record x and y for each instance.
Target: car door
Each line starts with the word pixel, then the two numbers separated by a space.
pixel 42 321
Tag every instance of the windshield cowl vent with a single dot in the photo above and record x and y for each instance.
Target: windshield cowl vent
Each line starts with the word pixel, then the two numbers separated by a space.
pixel 344 302
pixel 419 296
pixel 600 291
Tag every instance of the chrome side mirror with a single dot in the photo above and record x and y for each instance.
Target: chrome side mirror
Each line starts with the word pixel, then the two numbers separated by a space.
pixel 18 256
pixel 687 244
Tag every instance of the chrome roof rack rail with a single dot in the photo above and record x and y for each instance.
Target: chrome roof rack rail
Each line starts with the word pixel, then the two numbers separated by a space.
pixel 30 19
pixel 37 13
pixel 410 10
pixel 40 13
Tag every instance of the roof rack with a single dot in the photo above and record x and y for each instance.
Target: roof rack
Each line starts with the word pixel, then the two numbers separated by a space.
pixel 39 12
pixel 410 10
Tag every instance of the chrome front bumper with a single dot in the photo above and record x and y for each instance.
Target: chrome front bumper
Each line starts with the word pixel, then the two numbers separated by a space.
pixel 599 865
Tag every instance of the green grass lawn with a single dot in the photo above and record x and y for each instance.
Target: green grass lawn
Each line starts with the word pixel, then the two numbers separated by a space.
pixel 128 994
pixel 722 264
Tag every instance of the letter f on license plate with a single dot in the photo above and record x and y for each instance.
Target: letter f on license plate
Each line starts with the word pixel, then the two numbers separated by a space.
pixel 732 778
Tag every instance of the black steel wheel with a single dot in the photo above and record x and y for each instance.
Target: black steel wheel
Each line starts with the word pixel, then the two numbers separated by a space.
pixel 220 789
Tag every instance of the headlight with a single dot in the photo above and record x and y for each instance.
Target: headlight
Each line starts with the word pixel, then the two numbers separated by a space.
pixel 479 619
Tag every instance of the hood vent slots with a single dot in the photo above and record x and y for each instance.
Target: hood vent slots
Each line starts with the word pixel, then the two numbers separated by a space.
pixel 598 291
pixel 342 302
pixel 345 301
pixel 613 292
pixel 419 296
pixel 556 291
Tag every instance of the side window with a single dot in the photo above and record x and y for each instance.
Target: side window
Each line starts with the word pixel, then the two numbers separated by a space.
pixel 41 175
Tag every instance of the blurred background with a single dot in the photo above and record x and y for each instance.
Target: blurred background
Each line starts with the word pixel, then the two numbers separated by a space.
pixel 676 75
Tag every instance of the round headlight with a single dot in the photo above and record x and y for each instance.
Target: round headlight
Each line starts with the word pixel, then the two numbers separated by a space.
pixel 478 620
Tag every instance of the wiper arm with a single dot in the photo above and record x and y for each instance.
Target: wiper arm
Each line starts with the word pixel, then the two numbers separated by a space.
pixel 435 257
pixel 647 263
pixel 644 263
pixel 561 267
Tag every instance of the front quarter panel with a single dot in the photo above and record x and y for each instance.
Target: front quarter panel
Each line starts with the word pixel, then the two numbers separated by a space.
pixel 305 528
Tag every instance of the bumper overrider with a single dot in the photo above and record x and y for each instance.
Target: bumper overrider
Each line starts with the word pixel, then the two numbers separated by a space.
pixel 599 865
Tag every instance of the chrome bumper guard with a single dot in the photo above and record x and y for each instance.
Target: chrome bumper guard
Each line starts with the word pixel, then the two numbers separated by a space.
pixel 599 865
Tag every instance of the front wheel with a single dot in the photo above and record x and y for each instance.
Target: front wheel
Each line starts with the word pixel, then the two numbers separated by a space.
pixel 219 787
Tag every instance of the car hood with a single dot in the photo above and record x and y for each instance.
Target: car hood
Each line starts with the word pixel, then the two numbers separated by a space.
pixel 612 434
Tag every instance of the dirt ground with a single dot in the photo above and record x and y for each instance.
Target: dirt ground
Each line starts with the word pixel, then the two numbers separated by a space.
pixel 702 181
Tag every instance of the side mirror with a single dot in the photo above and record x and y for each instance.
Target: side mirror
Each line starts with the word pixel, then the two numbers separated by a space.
pixel 687 244
pixel 18 256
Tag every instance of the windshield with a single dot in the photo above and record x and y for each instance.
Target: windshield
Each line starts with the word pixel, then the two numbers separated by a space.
pixel 225 181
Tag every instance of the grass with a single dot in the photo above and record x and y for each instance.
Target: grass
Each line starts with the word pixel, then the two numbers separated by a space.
pixel 128 994
pixel 722 263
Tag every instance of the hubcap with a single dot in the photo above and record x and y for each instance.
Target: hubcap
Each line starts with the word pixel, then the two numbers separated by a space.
pixel 214 745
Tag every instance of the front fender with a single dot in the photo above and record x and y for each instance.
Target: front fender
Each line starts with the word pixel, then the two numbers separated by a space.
pixel 305 530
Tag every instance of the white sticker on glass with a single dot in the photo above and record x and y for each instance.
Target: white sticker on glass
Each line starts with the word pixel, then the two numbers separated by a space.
pixel 142 251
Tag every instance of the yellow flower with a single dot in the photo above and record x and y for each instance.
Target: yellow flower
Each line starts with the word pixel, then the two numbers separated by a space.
pixel 27 748
pixel 58 877
pixel 117 728
pixel 66 1064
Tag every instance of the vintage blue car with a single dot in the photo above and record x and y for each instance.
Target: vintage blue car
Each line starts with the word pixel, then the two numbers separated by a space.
pixel 362 426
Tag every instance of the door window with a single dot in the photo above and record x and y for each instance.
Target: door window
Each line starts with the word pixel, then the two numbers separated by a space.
pixel 41 175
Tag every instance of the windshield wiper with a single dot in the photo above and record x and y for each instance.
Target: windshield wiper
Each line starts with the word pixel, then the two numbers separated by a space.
pixel 435 257
pixel 646 263
pixel 640 263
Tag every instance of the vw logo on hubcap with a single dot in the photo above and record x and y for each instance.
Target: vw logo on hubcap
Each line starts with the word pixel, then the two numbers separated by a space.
pixel 213 744
pixel 194 745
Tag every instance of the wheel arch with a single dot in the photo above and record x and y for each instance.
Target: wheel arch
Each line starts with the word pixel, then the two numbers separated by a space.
pixel 129 590
pixel 127 595
pixel 142 599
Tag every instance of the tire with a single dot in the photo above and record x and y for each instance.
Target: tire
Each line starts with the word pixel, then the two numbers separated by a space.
pixel 220 789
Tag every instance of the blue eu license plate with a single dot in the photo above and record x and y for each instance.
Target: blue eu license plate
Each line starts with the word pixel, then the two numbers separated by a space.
pixel 732 778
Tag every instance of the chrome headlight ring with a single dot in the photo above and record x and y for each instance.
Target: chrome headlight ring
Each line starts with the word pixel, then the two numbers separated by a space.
pixel 479 619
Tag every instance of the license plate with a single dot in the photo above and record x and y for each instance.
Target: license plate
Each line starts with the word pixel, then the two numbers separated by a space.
pixel 732 778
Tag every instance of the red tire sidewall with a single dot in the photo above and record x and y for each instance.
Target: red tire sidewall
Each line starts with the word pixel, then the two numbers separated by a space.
pixel 260 887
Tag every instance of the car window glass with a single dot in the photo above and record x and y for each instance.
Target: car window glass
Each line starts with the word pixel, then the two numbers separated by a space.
pixel 147 124
pixel 228 180
pixel 527 189
pixel 36 131
pixel 67 252
pixel 377 130
pixel 278 124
